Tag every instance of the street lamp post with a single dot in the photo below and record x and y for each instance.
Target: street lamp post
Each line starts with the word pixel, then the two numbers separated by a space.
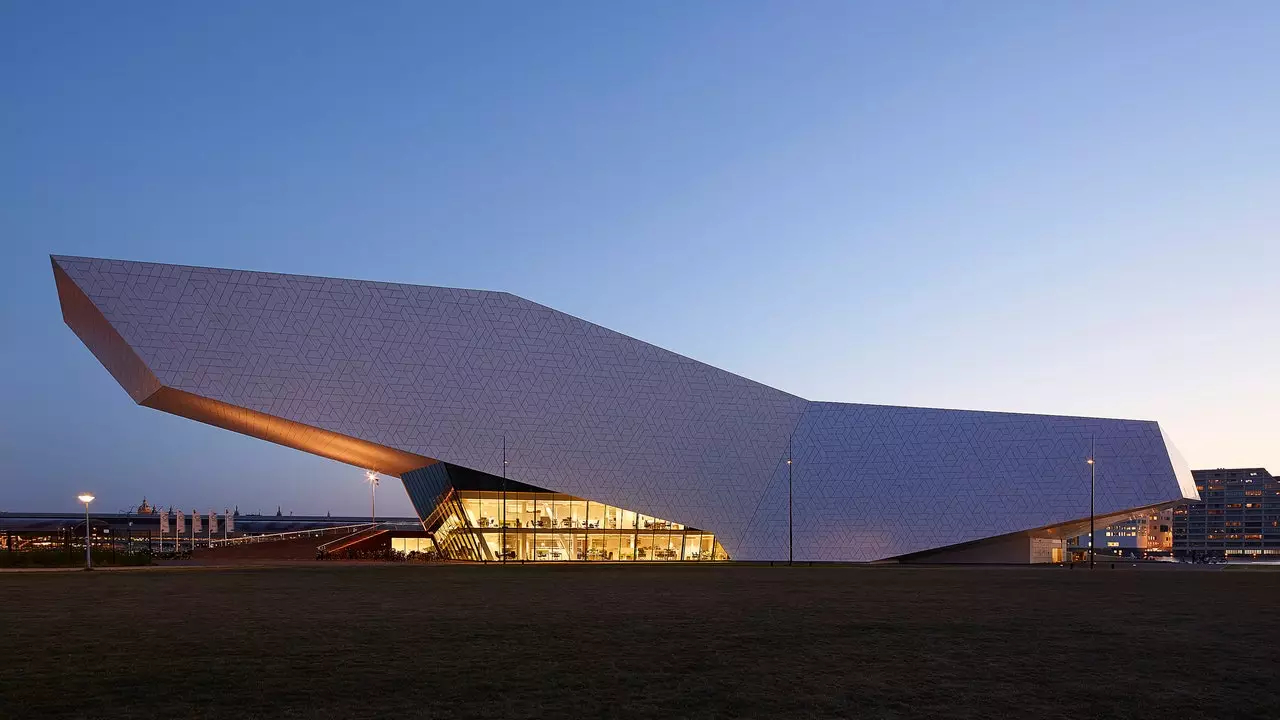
pixel 1093 484
pixel 503 557
pixel 86 498
pixel 371 477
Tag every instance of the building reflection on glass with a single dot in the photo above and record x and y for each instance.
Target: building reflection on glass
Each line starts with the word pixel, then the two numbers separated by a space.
pixel 554 527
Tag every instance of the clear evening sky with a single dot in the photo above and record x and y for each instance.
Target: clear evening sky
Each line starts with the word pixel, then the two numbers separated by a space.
pixel 1067 208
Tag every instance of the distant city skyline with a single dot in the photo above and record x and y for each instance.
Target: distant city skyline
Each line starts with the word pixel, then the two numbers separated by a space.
pixel 992 206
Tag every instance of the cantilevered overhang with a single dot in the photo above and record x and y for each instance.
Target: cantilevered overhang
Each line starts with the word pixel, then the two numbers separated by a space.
pixel 317 441
pixel 107 345
pixel 104 341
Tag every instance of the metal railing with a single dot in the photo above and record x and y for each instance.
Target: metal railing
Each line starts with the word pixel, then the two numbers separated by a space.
pixel 369 528
pixel 290 535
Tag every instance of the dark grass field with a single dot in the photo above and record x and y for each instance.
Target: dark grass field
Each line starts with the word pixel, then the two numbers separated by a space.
pixel 331 641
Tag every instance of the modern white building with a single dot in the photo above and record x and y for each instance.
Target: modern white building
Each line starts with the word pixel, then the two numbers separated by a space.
pixel 524 432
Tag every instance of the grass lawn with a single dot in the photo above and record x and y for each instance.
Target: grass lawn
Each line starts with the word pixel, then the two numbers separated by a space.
pixel 366 641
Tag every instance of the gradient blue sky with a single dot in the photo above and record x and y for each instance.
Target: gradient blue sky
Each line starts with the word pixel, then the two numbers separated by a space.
pixel 1063 208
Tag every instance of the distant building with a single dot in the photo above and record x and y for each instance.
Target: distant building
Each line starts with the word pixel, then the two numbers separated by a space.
pixel 44 530
pixel 1143 534
pixel 1160 531
pixel 1238 516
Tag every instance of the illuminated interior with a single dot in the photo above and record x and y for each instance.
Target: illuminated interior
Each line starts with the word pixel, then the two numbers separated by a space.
pixel 552 527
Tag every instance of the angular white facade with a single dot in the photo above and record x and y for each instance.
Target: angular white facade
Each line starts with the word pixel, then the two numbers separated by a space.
pixel 398 377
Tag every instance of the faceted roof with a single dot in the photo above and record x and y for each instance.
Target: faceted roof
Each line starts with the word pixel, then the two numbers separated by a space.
pixel 393 377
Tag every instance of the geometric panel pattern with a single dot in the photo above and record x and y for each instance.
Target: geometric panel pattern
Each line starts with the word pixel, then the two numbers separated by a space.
pixel 447 374
pixel 872 481
pixel 403 371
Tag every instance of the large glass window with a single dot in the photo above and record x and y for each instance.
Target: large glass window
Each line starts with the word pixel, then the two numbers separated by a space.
pixel 644 546
pixel 517 545
pixel 471 506
pixel 520 510
pixel 718 553
pixel 541 511
pixel 554 546
pixel 597 547
pixel 666 546
pixel 490 510
pixel 563 512
pixel 555 527
pixel 608 517
pixel 692 546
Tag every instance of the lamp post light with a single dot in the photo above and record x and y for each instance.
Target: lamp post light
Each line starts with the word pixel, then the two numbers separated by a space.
pixel 86 498
pixel 1093 483
pixel 371 477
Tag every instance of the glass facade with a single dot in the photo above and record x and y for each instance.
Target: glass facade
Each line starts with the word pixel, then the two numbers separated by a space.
pixel 408 545
pixel 469 516
pixel 551 527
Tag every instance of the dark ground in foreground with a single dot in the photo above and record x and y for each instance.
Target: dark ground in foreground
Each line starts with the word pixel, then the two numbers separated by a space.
pixel 656 642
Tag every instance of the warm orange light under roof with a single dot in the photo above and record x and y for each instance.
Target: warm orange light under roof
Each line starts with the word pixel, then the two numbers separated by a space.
pixel 343 448
pixel 88 322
